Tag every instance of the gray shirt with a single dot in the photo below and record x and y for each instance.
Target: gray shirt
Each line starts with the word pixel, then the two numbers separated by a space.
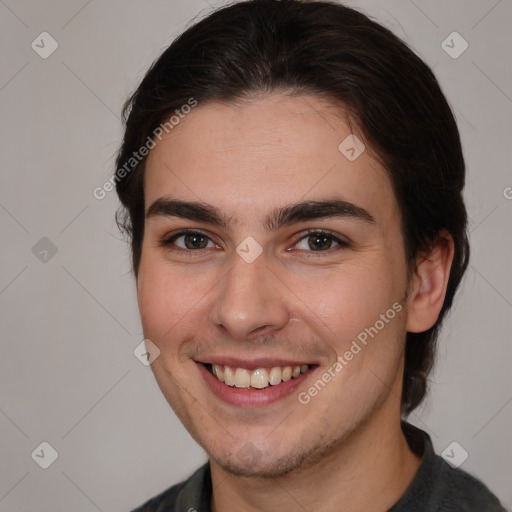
pixel 436 487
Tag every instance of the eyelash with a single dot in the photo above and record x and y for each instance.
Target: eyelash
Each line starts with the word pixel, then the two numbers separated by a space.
pixel 167 242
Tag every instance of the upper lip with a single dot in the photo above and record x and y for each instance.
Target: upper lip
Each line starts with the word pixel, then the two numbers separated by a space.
pixel 252 363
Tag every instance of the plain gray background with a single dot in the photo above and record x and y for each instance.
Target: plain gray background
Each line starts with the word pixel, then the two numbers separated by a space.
pixel 69 321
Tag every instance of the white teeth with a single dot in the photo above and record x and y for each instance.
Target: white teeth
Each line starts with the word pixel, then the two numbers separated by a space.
pixel 260 378
pixel 287 373
pixel 242 378
pixel 219 372
pixel 274 377
pixel 229 376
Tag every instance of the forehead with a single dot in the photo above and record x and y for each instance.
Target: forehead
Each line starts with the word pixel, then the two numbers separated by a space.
pixel 269 151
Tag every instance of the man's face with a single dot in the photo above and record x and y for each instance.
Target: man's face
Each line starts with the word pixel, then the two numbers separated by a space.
pixel 254 299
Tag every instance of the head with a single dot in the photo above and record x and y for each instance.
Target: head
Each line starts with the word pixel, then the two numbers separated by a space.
pixel 254 109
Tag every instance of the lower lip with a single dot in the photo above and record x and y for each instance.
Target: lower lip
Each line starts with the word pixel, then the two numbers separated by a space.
pixel 243 397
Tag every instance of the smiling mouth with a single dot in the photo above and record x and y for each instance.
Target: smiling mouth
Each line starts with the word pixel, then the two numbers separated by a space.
pixel 260 378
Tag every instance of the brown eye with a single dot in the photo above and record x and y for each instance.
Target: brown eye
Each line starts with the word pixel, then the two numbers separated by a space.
pixel 189 240
pixel 319 241
pixel 195 241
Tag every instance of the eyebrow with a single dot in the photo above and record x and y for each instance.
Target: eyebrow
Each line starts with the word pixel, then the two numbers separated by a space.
pixel 280 217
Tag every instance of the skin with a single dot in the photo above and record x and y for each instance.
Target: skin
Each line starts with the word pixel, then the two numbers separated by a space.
pixel 292 302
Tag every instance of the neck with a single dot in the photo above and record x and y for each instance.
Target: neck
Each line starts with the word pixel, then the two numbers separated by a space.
pixel 370 471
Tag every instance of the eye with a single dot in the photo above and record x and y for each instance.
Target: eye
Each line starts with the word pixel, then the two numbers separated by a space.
pixel 319 241
pixel 193 241
pixel 189 240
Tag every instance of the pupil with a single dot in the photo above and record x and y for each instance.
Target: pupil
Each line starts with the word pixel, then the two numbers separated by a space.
pixel 323 242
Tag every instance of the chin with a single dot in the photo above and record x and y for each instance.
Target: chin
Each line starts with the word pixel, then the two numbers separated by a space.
pixel 261 469
pixel 250 462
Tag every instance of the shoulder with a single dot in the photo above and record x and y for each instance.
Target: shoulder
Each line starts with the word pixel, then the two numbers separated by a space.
pixel 193 493
pixel 439 487
pixel 166 500
pixel 463 492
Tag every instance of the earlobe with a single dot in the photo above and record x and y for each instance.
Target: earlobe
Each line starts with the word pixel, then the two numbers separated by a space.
pixel 428 286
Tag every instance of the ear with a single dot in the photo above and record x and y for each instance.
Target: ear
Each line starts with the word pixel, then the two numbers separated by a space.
pixel 428 285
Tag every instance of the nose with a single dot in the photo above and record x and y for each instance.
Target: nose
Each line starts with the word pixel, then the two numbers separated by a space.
pixel 251 301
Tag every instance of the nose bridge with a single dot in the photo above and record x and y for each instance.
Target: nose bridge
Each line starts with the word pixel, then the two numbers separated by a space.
pixel 249 300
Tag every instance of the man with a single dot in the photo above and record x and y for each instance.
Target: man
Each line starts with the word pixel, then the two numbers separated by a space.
pixel 291 177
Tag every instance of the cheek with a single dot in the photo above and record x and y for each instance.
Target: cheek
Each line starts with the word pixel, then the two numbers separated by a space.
pixel 163 297
pixel 348 300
